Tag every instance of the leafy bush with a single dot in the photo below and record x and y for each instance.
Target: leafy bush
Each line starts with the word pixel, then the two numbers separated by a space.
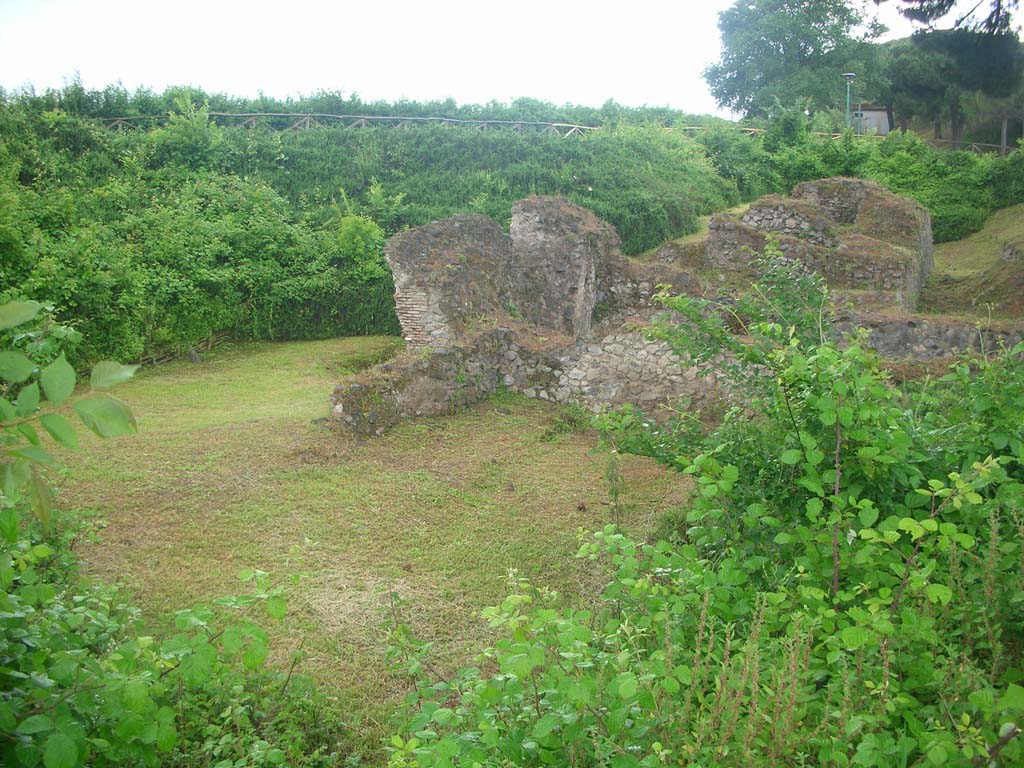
pixel 740 158
pixel 80 684
pixel 845 587
pixel 1008 179
pixel 953 186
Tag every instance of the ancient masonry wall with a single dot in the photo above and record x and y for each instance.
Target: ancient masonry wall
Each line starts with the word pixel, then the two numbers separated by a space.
pixel 558 303
pixel 414 310
pixel 919 337
pixel 611 370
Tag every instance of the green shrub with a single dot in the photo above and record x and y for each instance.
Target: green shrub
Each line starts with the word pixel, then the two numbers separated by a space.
pixel 953 186
pixel 1008 179
pixel 845 586
pixel 80 684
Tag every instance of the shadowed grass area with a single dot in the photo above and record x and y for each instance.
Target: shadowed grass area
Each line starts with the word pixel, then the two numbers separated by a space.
pixel 979 275
pixel 230 470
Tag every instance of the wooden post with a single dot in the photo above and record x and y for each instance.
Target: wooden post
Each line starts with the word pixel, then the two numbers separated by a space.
pixel 1002 138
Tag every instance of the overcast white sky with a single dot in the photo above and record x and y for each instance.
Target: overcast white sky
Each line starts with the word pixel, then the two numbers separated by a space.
pixel 637 53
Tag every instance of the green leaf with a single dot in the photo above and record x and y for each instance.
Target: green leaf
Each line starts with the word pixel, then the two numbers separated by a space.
pixel 14 313
pixel 254 655
pixel 982 698
pixel 937 754
pixel 42 500
pixel 15 476
pixel 277 607
pixel 58 380
pixel 29 433
pixel 34 454
pixel 814 506
pixel 627 685
pixel 854 637
pixel 107 374
pixel 546 725
pixel 106 416
pixel 60 752
pixel 1013 699
pixel 28 400
pixel 938 593
pixel 35 724
pixel 10 525
pixel 276 756
pixel 136 696
pixel 792 456
pixel 60 429
pixel 845 415
pixel 867 516
pixel 911 526
pixel 166 737
pixel 15 367
pixel 999 440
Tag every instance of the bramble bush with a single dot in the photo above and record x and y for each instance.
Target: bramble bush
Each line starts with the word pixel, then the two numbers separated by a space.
pixel 844 587
pixel 79 683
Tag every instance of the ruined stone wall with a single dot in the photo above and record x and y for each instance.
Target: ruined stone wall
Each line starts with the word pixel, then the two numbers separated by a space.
pixel 566 260
pixel 854 233
pixel 447 275
pixel 609 370
pixel 555 267
pixel 791 217
pixel 920 337
pixel 550 310
pixel 840 198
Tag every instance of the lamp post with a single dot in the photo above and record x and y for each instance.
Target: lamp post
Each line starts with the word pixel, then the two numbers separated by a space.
pixel 848 77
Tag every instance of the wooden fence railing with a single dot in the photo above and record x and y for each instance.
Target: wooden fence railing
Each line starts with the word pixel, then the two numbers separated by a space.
pixel 293 121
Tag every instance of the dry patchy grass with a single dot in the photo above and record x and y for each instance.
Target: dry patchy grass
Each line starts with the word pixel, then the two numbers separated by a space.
pixel 229 470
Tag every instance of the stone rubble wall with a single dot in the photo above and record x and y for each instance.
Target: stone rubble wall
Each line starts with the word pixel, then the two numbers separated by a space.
pixel 922 338
pixel 566 260
pixel 841 198
pixel 791 217
pixel 854 233
pixel 610 370
pixel 573 300
pixel 557 265
pixel 449 274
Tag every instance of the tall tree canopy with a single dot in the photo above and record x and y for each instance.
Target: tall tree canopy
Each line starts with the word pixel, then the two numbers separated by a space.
pixel 931 73
pixel 792 50
pixel 989 15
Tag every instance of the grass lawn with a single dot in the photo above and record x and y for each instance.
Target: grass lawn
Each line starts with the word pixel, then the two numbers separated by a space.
pixel 972 277
pixel 230 470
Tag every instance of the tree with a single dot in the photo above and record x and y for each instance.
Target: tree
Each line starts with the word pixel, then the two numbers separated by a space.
pixel 931 74
pixel 930 11
pixel 791 50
